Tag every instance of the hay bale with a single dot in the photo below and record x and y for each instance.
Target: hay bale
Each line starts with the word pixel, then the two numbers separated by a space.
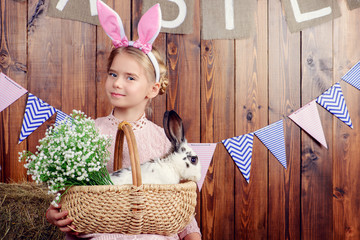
pixel 22 212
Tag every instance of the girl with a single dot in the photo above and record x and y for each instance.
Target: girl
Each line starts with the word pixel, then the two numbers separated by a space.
pixel 136 74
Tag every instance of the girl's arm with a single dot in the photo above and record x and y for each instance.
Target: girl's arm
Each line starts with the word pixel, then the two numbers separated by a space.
pixel 193 236
pixel 191 231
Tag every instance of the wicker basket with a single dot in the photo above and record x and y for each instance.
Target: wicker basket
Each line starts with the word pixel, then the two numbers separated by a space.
pixel 131 209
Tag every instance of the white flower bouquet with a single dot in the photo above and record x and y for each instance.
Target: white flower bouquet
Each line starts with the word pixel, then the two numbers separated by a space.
pixel 72 153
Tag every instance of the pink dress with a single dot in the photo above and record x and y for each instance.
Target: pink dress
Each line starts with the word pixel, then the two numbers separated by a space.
pixel 151 142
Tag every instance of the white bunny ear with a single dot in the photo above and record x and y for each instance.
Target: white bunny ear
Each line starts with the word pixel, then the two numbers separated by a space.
pixel 148 28
pixel 112 24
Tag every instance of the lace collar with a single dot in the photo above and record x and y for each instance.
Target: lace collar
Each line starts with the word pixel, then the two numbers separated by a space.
pixel 136 125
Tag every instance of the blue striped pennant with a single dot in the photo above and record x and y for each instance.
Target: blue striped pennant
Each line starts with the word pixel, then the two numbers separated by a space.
pixel 36 113
pixel 61 117
pixel 333 100
pixel 240 149
pixel 353 76
pixel 272 136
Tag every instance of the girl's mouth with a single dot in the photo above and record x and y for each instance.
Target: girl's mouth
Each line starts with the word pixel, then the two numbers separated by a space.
pixel 117 95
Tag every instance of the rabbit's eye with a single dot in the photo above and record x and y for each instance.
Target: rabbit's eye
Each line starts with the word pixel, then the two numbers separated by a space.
pixel 194 160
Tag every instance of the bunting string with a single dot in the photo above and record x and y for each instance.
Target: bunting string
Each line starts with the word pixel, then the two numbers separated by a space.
pixel 240 148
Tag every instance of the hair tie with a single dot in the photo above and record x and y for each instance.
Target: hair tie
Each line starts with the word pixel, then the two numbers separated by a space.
pixel 148 29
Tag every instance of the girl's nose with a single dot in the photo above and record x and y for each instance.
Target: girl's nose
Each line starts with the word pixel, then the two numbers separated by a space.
pixel 118 83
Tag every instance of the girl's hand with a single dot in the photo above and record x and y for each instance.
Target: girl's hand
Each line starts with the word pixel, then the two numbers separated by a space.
pixel 57 218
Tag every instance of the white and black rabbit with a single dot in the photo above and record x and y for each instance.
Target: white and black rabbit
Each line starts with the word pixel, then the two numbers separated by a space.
pixel 180 164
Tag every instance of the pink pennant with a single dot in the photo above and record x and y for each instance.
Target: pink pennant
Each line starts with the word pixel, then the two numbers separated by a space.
pixel 10 91
pixel 205 152
pixel 308 119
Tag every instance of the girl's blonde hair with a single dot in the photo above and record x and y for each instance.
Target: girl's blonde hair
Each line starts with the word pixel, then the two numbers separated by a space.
pixel 144 61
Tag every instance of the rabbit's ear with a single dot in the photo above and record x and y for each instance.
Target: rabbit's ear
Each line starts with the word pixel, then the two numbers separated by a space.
pixel 174 129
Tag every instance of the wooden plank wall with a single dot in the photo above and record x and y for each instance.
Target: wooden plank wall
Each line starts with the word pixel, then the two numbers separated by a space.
pixel 222 89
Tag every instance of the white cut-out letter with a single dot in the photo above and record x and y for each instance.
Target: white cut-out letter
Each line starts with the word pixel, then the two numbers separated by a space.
pixel 180 18
pixel 302 17
pixel 229 15
pixel 93 9
pixel 61 4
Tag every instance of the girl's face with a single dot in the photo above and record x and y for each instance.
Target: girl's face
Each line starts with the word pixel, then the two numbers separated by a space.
pixel 127 85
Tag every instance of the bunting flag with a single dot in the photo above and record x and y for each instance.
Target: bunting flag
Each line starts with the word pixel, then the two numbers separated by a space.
pixel 333 100
pixel 240 149
pixel 308 119
pixel 36 113
pixel 272 136
pixel 10 91
pixel 205 152
pixel 353 76
pixel 61 117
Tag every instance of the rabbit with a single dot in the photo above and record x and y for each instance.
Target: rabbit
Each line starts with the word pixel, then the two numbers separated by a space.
pixel 181 164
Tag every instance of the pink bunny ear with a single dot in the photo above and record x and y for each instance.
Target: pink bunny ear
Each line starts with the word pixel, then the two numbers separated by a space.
pixel 112 24
pixel 150 24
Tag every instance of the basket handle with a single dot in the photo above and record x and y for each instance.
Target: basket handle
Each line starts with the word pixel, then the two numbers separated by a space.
pixel 125 128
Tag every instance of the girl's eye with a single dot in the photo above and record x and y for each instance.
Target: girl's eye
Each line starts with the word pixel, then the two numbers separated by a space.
pixel 130 78
pixel 114 75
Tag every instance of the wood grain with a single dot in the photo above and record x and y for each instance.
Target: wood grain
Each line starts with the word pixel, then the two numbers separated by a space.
pixel 284 98
pixel 78 49
pixel 346 207
pixel 251 114
pixel 316 166
pixel 13 64
pixel 44 74
pixel 217 75
pixel 183 60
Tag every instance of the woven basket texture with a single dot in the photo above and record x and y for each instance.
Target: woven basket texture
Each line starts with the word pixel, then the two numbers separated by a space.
pixel 162 209
pixel 147 209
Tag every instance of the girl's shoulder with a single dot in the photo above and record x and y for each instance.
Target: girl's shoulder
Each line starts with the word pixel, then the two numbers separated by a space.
pixel 107 124
pixel 152 140
pixel 153 125
pixel 107 119
pixel 152 129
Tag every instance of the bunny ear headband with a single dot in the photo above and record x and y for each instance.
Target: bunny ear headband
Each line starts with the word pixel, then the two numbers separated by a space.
pixel 148 29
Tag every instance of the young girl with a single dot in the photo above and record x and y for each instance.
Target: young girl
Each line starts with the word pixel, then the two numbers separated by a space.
pixel 134 78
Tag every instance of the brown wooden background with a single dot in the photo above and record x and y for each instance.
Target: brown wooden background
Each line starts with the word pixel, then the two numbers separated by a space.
pixel 222 89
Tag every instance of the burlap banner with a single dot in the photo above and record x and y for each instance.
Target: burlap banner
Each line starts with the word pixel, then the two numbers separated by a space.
pixel 177 15
pixel 301 14
pixel 353 4
pixel 80 10
pixel 228 19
